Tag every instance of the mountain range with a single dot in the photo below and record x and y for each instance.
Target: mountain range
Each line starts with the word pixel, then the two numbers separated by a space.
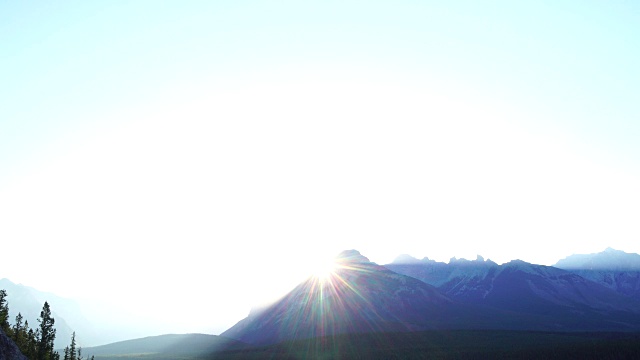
pixel 614 269
pixel 359 296
pixel 592 293
pixel 414 295
pixel 516 285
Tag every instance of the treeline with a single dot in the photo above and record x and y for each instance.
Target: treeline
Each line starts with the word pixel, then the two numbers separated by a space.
pixel 36 344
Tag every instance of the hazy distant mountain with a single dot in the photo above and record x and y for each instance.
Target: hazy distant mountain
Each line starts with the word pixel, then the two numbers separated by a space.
pixel 176 345
pixel 93 323
pixel 28 302
pixel 609 259
pixel 9 350
pixel 360 296
pixel 567 300
pixel 612 268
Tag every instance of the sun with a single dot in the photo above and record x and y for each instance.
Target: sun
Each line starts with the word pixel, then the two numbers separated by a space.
pixel 323 270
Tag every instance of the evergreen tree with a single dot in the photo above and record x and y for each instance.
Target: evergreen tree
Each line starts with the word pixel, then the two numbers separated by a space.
pixel 19 333
pixel 17 327
pixel 47 335
pixel 72 347
pixel 4 312
pixel 32 337
pixel 38 344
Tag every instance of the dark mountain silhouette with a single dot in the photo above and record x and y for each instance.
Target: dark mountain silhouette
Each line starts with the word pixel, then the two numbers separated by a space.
pixel 559 298
pixel 360 296
pixel 8 349
pixel 363 297
pixel 614 269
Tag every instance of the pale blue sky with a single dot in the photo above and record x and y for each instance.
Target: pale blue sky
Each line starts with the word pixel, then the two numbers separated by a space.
pixel 213 132
pixel 574 60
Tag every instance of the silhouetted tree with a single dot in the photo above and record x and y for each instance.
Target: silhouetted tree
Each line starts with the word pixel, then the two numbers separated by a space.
pixel 19 332
pixel 72 347
pixel 70 352
pixel 47 335
pixel 4 312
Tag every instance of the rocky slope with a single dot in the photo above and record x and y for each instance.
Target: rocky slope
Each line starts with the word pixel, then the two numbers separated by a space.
pixel 9 350
pixel 562 299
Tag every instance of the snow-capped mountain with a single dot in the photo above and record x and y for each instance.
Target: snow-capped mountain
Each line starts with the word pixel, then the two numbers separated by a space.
pixel 565 298
pixel 614 269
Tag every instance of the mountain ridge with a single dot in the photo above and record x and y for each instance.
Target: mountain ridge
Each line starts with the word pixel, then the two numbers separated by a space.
pixel 567 299
pixel 351 300
pixel 464 294
pixel 614 269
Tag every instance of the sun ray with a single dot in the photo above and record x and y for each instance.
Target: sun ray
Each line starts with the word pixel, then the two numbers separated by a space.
pixel 323 270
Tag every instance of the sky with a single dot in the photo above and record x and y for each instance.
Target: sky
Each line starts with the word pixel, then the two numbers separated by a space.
pixel 207 156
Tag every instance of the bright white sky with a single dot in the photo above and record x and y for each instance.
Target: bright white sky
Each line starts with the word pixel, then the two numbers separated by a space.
pixel 207 155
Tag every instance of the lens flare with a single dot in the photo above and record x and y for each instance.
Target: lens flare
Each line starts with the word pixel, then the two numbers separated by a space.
pixel 322 270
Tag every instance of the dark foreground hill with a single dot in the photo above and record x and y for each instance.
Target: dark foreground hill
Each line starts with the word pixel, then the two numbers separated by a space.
pixel 456 344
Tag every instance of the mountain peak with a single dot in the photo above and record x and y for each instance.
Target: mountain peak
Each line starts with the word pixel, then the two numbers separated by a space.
pixel 478 259
pixel 351 256
pixel 361 297
pixel 405 259
pixel 523 266
pixel 609 259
